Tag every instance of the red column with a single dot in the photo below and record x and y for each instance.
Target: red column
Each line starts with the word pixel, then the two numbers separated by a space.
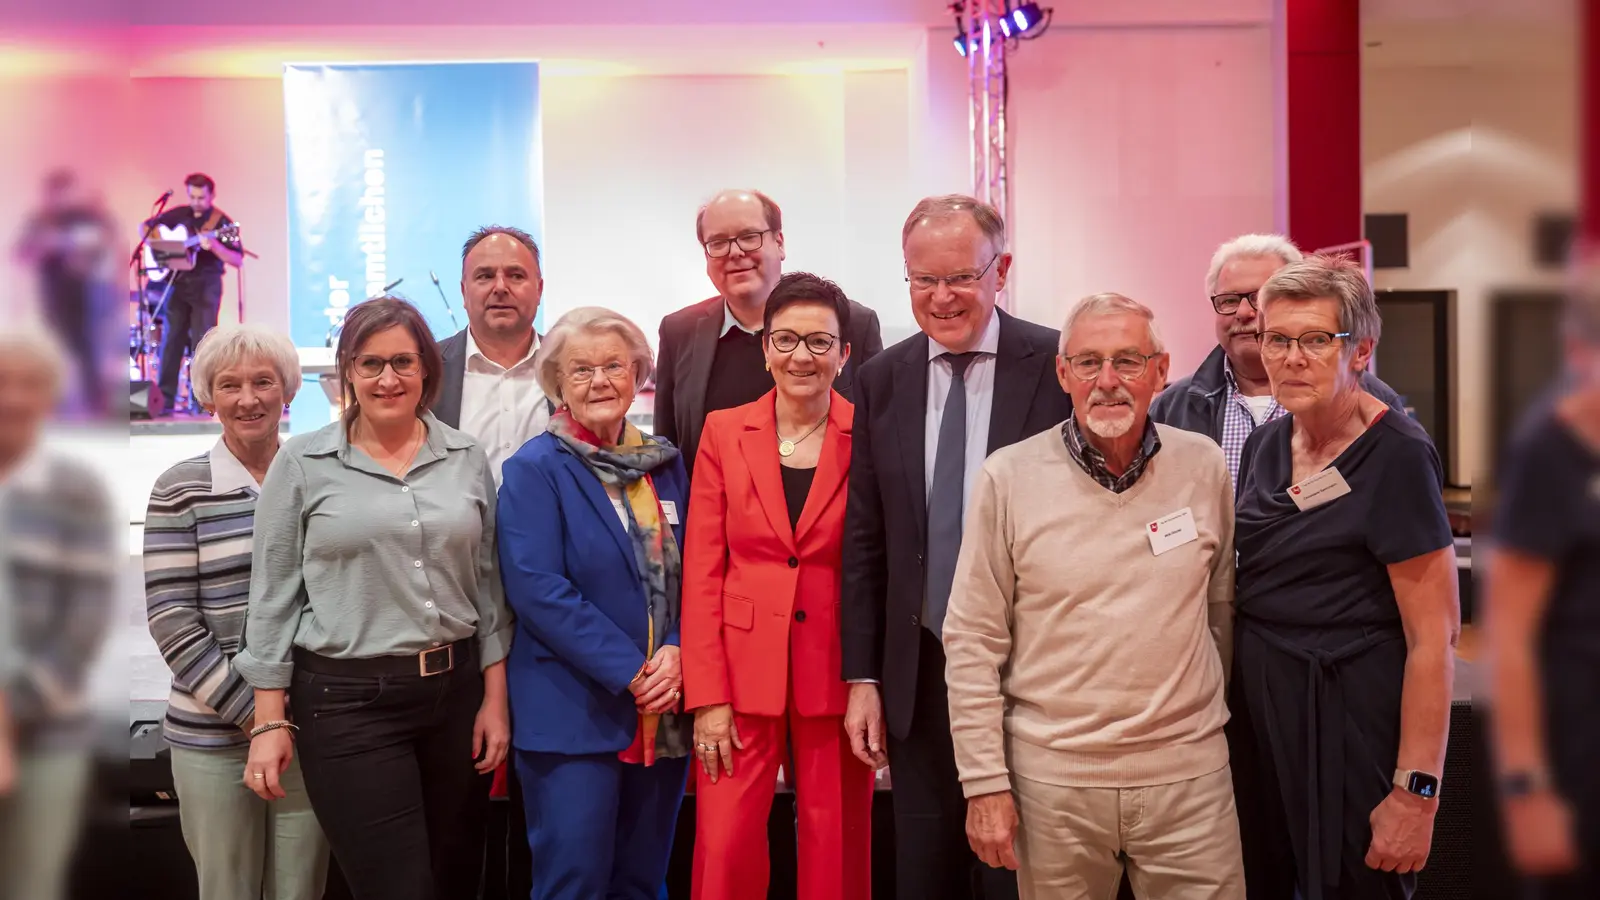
pixel 1324 121
pixel 1589 133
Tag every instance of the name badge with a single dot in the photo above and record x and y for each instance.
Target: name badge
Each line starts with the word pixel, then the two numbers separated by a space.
pixel 670 510
pixel 1172 530
pixel 1324 487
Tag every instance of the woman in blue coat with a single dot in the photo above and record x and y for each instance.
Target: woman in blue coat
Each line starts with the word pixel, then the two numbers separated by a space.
pixel 590 526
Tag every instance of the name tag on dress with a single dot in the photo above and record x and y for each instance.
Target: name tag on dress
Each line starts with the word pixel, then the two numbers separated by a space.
pixel 670 510
pixel 1172 530
pixel 1324 487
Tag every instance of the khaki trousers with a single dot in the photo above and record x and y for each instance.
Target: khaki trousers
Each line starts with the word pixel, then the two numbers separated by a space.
pixel 1178 841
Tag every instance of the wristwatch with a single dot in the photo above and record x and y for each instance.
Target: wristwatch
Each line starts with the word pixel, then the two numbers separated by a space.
pixel 1417 782
pixel 1522 782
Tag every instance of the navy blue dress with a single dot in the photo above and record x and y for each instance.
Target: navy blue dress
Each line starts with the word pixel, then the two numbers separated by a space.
pixel 1319 655
pixel 1549 508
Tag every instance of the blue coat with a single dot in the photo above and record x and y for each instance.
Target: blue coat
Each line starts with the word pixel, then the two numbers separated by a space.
pixel 582 614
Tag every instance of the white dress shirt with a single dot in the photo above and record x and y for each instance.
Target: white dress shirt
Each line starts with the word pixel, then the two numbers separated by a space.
pixel 980 402
pixel 502 408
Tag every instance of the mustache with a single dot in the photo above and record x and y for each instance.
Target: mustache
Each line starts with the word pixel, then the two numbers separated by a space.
pixel 1115 395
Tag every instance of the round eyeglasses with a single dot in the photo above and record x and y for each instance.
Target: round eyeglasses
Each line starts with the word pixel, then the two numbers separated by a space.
pixel 403 364
pixel 818 342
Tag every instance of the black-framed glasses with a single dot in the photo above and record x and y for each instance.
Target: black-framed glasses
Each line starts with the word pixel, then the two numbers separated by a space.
pixel 403 364
pixel 749 242
pixel 1317 344
pixel 818 342
pixel 613 372
pixel 1227 302
pixel 960 281
pixel 1127 365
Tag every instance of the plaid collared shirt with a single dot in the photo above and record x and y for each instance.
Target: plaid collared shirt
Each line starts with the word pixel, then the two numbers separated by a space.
pixel 1238 422
pixel 1094 462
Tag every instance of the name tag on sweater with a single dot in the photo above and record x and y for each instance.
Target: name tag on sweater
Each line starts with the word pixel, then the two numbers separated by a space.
pixel 670 510
pixel 1172 530
pixel 1324 487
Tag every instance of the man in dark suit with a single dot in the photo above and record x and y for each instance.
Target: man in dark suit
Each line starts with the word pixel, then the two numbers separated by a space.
pixel 912 466
pixel 709 356
pixel 490 384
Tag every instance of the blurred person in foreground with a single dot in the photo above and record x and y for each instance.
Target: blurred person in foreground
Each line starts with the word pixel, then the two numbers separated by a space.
pixel 1347 614
pixel 69 242
pixel 197 544
pixel 62 553
pixel 376 621
pixel 1067 708
pixel 591 537
pixel 761 616
pixel 1542 623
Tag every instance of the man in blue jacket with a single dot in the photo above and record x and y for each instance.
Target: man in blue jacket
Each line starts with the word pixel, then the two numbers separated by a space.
pixel 1229 395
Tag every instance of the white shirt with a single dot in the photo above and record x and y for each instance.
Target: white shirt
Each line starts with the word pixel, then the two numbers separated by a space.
pixel 227 473
pixel 730 322
pixel 1260 406
pixel 980 402
pixel 502 408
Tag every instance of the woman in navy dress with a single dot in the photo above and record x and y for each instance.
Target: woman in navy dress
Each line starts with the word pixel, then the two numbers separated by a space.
pixel 1347 610
pixel 1543 613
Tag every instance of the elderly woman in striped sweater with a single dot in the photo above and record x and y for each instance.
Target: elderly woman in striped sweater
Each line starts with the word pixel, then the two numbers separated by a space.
pixel 197 544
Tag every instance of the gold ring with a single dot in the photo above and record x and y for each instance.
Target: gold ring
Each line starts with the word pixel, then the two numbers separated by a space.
pixel 259 775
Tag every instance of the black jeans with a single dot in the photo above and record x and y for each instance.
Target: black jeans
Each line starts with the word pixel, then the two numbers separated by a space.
pixel 191 311
pixel 389 769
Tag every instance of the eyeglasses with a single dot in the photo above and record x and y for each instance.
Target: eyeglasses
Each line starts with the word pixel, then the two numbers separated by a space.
pixel 749 242
pixel 613 371
pixel 960 281
pixel 1315 344
pixel 261 386
pixel 403 364
pixel 1227 303
pixel 818 342
pixel 1127 366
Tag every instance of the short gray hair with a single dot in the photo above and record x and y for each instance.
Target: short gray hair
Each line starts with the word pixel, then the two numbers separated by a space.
pixel 947 206
pixel 591 320
pixel 1246 246
pixel 1323 276
pixel 227 346
pixel 37 342
pixel 1110 304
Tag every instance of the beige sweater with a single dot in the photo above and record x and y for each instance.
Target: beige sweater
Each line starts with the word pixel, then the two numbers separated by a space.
pixel 1076 656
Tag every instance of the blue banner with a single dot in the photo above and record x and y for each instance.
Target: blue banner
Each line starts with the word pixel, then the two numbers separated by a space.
pixel 391 167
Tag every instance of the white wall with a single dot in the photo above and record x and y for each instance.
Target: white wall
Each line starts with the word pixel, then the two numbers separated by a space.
pixel 1471 130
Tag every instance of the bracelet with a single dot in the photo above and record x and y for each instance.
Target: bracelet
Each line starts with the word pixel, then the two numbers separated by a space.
pixel 265 727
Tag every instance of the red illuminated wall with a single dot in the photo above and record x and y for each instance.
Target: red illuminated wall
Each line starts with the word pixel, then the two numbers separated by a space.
pixel 1323 64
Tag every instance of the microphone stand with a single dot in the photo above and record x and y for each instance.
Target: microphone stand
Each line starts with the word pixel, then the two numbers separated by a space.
pixel 452 312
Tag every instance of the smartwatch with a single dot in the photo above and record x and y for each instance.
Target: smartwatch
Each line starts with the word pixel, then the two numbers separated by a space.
pixel 1417 782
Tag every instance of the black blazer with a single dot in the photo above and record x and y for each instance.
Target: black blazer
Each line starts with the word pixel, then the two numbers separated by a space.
pixel 447 406
pixel 886 521
pixel 683 368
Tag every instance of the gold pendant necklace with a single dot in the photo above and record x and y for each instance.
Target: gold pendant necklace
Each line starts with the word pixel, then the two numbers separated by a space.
pixel 786 447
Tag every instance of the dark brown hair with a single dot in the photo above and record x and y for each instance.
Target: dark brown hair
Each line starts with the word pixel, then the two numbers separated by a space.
pixel 201 180
pixel 804 287
pixel 380 314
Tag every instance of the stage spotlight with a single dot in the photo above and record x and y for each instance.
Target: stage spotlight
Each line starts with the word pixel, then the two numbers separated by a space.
pixel 961 42
pixel 1025 17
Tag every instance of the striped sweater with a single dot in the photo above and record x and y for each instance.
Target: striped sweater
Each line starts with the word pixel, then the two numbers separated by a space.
pixel 197 542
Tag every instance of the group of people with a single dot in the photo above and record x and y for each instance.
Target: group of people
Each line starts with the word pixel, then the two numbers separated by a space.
pixel 829 557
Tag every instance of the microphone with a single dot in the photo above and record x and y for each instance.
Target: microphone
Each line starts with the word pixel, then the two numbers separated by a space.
pixel 442 299
pixel 386 288
pixel 165 197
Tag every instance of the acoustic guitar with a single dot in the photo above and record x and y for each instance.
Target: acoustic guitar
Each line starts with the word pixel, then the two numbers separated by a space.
pixel 158 273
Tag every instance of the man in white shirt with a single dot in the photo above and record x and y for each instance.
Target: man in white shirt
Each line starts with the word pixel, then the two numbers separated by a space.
pixel 491 387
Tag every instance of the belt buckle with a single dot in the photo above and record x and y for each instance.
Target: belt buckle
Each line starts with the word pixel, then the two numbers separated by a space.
pixel 437 661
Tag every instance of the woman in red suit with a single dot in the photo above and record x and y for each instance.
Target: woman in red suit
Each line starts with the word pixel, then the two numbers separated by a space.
pixel 761 616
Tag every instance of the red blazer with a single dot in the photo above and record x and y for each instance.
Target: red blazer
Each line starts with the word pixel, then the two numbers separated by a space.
pixel 757 593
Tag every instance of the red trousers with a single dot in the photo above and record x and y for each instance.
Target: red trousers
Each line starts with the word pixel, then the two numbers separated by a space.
pixel 833 797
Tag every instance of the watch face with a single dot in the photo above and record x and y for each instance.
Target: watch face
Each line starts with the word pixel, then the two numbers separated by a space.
pixel 1423 785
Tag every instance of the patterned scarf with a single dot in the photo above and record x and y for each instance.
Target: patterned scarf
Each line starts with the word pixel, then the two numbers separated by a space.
pixel 655 551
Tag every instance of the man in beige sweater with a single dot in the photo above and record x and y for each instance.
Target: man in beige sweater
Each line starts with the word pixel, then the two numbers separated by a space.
pixel 1088 635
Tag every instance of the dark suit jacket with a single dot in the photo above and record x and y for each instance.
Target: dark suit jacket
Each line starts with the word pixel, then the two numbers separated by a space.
pixel 683 367
pixel 447 407
pixel 886 521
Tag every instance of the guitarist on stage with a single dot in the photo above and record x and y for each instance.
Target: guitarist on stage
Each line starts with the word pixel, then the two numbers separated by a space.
pixel 196 294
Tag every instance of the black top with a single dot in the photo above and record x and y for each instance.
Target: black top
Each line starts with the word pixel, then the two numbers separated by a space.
pixel 1327 565
pixel 206 263
pixel 796 487
pixel 738 371
pixel 1549 507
